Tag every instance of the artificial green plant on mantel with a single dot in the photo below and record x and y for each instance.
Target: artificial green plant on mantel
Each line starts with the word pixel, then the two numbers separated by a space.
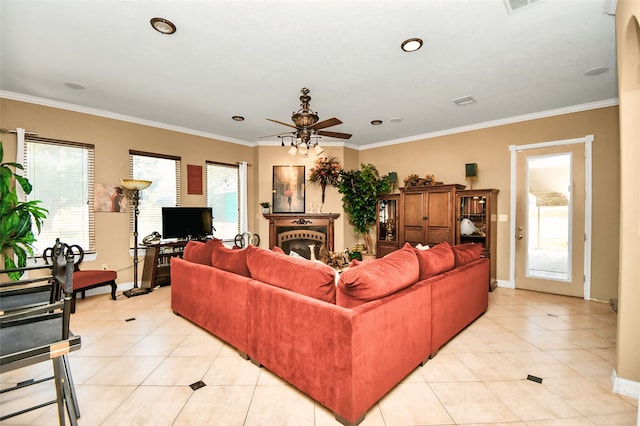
pixel 360 190
pixel 17 217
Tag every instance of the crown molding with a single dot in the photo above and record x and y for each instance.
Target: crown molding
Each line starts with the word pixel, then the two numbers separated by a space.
pixel 487 124
pixel 495 123
pixel 116 116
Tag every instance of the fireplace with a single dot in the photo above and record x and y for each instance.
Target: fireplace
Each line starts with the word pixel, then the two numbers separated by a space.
pixel 296 232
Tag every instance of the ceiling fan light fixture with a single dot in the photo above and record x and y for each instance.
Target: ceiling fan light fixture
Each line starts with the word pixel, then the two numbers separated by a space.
pixel 318 150
pixel 292 151
pixel 411 44
pixel 163 26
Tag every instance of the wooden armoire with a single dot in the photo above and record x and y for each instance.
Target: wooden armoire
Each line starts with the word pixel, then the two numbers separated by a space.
pixel 428 214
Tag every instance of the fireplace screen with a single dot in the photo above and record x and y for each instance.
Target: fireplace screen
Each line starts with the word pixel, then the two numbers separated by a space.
pixel 302 240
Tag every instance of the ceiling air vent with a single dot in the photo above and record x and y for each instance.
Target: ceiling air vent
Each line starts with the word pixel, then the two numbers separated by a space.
pixel 465 100
pixel 518 5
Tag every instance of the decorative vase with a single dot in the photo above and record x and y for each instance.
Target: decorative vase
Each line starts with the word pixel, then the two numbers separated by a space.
pixel 323 185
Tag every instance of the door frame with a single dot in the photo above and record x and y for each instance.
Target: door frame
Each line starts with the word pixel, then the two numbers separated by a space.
pixel 587 141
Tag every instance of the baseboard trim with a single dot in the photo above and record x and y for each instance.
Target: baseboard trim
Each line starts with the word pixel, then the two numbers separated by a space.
pixel 624 386
pixel 506 284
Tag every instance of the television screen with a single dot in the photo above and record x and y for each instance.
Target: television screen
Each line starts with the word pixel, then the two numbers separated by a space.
pixel 186 222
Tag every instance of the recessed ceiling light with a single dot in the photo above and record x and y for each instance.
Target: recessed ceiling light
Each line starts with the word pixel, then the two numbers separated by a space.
pixel 376 122
pixel 76 86
pixel 163 26
pixel 595 71
pixel 238 118
pixel 396 119
pixel 465 100
pixel 411 44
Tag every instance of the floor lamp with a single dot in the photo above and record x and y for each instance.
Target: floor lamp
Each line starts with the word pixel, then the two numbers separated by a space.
pixel 133 187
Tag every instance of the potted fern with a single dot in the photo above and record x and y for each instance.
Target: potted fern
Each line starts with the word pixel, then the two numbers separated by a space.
pixel 360 190
pixel 17 217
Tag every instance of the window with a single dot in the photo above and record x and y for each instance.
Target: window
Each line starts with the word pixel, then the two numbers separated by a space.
pixel 163 192
pixel 223 196
pixel 62 175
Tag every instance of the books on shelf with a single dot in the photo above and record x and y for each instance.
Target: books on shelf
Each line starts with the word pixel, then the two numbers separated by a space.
pixel 473 206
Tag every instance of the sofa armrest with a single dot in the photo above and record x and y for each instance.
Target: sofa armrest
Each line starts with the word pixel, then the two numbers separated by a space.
pixel 458 297
pixel 214 299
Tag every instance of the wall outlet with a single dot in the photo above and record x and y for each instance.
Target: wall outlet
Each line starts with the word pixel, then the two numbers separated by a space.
pixel 104 266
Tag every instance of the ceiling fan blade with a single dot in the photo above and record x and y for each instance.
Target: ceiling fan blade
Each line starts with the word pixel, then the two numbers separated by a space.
pixel 326 123
pixel 334 134
pixel 280 122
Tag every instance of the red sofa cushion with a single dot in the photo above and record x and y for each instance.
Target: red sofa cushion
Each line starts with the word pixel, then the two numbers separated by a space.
pixel 199 252
pixel 277 249
pixel 313 279
pixel 465 253
pixel 231 260
pixel 436 260
pixel 82 279
pixel 378 278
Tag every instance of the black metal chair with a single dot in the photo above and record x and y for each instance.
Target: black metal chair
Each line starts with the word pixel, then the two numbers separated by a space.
pixel 34 328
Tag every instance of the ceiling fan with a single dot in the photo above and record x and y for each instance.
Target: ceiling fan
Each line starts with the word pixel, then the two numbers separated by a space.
pixel 307 125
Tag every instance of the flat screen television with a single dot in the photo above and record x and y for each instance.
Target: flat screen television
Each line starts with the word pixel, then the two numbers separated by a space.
pixel 186 222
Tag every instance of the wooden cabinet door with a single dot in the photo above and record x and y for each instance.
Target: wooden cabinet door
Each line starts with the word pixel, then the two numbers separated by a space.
pixel 414 222
pixel 439 226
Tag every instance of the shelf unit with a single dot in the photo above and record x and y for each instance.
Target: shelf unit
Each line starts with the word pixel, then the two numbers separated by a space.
pixel 157 262
pixel 480 206
pixel 388 211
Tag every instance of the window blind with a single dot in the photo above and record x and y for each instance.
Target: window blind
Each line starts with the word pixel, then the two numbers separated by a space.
pixel 62 174
pixel 164 190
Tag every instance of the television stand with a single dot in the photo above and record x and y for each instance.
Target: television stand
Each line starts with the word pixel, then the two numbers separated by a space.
pixel 157 262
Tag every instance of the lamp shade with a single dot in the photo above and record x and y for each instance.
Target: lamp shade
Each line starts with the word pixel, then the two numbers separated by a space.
pixel 135 184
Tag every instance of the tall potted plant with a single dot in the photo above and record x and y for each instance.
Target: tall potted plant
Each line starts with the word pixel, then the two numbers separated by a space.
pixel 360 190
pixel 17 217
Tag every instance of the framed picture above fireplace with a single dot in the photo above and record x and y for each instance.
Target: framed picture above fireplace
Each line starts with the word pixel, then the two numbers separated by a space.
pixel 288 189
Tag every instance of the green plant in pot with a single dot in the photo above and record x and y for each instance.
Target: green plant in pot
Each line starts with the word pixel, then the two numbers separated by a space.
pixel 360 190
pixel 265 206
pixel 17 217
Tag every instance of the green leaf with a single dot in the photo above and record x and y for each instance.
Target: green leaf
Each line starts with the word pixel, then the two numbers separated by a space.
pixel 24 183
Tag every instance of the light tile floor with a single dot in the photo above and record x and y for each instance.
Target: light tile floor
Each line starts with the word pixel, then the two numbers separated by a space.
pixel 137 372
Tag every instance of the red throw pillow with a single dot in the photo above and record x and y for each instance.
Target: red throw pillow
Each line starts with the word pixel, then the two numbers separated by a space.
pixel 436 260
pixel 303 276
pixel 277 249
pixel 199 252
pixel 379 278
pixel 465 253
pixel 231 260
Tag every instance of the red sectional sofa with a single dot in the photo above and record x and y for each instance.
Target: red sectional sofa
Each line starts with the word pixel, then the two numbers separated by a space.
pixel 347 344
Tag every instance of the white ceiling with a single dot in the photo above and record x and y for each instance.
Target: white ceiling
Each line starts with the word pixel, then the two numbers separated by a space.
pixel 251 58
